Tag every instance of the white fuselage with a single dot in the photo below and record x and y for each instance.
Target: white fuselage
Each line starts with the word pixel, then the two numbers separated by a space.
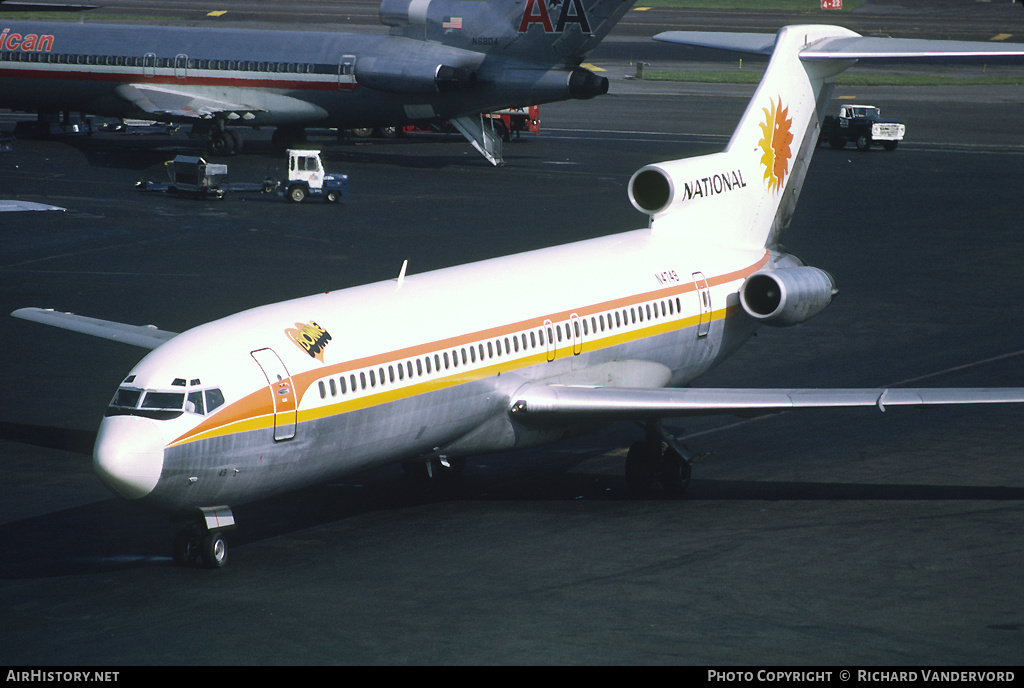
pixel 427 365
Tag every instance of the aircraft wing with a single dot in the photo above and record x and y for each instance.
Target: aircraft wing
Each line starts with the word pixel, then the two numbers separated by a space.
pixel 540 402
pixel 146 336
pixel 179 102
pixel 847 47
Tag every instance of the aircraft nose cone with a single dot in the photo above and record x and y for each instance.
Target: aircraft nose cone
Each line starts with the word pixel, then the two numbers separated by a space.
pixel 129 455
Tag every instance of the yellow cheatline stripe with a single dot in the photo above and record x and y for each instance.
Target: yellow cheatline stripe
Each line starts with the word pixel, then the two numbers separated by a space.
pixel 266 421
pixel 1000 36
pixel 260 420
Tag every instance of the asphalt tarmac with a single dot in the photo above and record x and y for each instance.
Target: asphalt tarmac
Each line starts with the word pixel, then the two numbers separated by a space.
pixel 838 539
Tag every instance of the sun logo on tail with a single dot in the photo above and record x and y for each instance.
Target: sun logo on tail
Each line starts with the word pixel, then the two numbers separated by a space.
pixel 776 143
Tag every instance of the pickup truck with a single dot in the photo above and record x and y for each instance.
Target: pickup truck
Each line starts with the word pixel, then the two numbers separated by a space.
pixel 862 124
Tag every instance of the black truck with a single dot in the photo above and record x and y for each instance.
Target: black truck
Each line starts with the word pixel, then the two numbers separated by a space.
pixel 862 124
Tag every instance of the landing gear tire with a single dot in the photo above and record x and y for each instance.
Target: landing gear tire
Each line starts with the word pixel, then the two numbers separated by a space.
pixel 656 463
pixel 186 546
pixel 193 547
pixel 221 143
pixel 214 550
pixel 640 470
pixel 675 474
pixel 237 139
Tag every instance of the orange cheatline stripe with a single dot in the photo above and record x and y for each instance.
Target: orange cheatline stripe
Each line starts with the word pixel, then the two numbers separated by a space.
pixel 256 410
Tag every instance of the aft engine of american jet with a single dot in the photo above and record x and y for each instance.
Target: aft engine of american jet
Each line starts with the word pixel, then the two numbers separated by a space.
pixel 787 296
pixel 412 76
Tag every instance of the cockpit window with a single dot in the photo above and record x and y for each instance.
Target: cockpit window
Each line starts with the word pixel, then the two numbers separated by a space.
pixel 168 401
pixel 214 399
pixel 161 405
pixel 128 398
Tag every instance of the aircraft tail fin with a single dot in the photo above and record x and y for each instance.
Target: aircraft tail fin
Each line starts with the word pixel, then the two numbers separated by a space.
pixel 552 31
pixel 751 188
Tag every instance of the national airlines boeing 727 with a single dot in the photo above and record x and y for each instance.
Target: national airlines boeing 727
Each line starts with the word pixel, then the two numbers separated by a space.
pixel 511 352
pixel 443 60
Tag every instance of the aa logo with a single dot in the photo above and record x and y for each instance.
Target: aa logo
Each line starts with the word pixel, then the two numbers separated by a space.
pixel 776 145
pixel 311 338
pixel 539 12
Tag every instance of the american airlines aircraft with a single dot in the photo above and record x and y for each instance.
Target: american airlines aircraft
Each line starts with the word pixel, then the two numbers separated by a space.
pixel 442 60
pixel 511 352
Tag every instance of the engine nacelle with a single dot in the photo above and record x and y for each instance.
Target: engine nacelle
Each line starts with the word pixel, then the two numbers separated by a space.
pixel 403 13
pixel 400 76
pixel 787 296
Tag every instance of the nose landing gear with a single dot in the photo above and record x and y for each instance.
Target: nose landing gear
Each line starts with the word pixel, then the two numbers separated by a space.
pixel 201 542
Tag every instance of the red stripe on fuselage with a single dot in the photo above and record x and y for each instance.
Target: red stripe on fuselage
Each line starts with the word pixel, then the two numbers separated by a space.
pixel 170 79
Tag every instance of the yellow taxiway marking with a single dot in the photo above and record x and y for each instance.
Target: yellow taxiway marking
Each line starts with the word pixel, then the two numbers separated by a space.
pixel 216 13
pixel 1000 36
pixel 593 68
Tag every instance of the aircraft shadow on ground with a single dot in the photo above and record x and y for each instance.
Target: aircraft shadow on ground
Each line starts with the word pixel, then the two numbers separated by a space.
pixel 116 535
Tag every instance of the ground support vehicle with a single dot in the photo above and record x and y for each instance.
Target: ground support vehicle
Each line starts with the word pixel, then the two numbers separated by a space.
pixel 306 177
pixel 862 124
pixel 193 177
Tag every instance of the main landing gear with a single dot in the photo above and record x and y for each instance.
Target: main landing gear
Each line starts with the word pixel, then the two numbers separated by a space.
pixel 659 460
pixel 201 542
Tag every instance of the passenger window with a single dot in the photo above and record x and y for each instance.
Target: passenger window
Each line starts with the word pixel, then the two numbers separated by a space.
pixel 323 390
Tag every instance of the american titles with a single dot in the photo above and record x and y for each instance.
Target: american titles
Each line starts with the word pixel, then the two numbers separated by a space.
pixel 537 12
pixel 30 42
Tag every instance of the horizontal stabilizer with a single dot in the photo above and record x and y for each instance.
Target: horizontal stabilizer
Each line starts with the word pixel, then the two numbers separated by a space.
pixel 146 336
pixel 846 47
pixel 553 402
